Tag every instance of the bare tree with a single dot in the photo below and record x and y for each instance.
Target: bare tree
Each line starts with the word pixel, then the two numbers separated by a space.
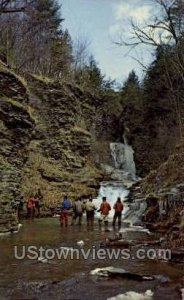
pixel 81 53
pixel 14 6
pixel 34 40
pixel 81 56
pixel 166 29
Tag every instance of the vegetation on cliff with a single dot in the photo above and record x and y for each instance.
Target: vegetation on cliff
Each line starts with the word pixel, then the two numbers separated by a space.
pixel 59 113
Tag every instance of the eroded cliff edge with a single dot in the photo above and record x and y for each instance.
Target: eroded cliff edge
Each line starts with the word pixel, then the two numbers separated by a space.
pixel 47 138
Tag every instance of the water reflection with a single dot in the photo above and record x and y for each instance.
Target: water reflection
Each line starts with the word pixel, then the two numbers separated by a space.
pixel 70 279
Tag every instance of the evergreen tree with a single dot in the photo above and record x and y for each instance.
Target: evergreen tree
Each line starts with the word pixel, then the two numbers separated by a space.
pixel 94 73
pixel 164 85
pixel 90 75
pixel 52 45
pixel 131 91
pixel 61 55
pixel 35 41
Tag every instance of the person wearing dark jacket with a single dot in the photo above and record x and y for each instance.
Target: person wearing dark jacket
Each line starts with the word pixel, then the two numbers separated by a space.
pixel 90 211
pixel 17 205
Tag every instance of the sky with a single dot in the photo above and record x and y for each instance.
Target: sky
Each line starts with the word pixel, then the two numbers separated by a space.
pixel 101 22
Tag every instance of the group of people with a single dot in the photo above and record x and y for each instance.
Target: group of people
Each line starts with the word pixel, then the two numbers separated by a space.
pixel 33 206
pixel 78 208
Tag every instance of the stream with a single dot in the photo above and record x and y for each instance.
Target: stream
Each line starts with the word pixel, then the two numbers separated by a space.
pixel 71 279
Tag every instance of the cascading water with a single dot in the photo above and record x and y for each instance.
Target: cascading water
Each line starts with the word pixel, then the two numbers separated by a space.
pixel 123 174
pixel 123 157
pixel 111 190
pixel 134 214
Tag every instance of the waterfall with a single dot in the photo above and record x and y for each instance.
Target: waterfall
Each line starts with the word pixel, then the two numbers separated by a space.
pixel 136 211
pixel 123 158
pixel 111 190
pixel 118 154
pixel 123 174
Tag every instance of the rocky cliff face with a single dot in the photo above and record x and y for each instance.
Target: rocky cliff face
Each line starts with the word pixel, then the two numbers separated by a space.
pixel 163 190
pixel 55 137
pixel 47 134
pixel 153 131
pixel 16 129
pixel 59 153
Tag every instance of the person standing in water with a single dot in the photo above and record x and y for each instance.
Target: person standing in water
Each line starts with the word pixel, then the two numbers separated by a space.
pixel 90 211
pixel 104 210
pixel 65 206
pixel 118 208
pixel 17 205
pixel 31 207
pixel 78 208
pixel 20 207
pixel 38 200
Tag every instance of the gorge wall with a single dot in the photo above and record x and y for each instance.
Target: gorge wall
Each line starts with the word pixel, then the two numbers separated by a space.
pixel 47 134
pixel 16 130
pixel 56 137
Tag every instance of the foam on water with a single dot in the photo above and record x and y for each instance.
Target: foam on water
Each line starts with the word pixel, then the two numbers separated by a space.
pixel 111 190
pixel 123 174
pixel 148 295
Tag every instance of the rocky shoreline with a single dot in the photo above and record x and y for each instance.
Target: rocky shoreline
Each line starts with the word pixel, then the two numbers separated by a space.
pixel 164 213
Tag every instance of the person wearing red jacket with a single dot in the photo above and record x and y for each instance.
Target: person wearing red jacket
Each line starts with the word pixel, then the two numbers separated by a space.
pixel 104 210
pixel 31 207
pixel 118 208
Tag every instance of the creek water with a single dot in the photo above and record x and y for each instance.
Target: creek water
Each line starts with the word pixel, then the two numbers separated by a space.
pixel 111 190
pixel 70 278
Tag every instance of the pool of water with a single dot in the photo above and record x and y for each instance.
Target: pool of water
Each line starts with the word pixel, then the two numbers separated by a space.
pixel 70 278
